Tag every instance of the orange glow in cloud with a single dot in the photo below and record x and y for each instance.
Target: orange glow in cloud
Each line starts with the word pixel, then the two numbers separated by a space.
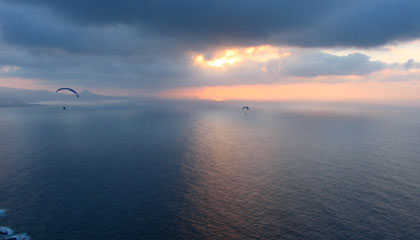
pixel 232 56
pixel 355 91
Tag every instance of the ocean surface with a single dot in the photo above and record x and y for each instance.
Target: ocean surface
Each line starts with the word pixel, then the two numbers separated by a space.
pixel 208 171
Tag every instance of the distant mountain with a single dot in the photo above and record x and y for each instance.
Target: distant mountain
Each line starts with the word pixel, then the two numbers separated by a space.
pixel 13 97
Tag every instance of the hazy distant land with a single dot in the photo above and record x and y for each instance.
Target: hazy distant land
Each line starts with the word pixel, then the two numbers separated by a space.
pixel 12 97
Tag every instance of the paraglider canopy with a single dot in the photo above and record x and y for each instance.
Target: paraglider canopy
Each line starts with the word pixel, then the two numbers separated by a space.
pixel 245 108
pixel 68 89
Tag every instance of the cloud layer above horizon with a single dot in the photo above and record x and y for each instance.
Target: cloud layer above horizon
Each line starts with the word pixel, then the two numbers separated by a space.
pixel 160 45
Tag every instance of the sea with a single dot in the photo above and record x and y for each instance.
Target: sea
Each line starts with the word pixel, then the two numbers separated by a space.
pixel 210 170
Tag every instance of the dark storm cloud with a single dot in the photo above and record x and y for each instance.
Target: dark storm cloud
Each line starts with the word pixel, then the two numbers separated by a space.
pixel 36 28
pixel 303 23
pixel 93 70
pixel 206 21
pixel 36 43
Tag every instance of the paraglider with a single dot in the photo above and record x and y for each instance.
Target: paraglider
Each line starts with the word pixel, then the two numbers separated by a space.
pixel 67 89
pixel 245 109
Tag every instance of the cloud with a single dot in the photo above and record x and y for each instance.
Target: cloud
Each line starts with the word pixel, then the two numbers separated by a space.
pixel 250 22
pixel 37 44
pixel 324 64
pixel 146 44
pixel 90 71
pixel 296 66
pixel 411 63
pixel 42 30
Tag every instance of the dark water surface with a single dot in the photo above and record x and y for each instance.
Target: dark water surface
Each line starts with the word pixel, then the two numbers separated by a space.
pixel 185 171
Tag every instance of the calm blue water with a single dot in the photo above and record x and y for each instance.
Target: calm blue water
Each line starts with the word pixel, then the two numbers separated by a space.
pixel 185 171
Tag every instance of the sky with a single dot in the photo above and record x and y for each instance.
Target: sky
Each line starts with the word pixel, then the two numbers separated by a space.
pixel 328 50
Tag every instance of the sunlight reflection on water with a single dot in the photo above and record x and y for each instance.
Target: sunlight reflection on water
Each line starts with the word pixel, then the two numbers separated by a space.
pixel 185 171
